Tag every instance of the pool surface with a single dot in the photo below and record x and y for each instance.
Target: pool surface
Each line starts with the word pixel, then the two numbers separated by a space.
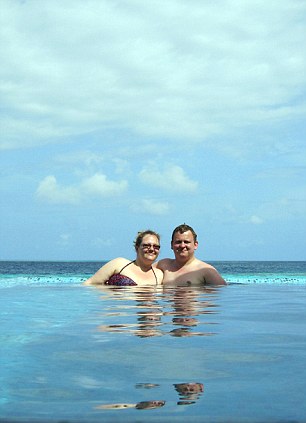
pixel 81 354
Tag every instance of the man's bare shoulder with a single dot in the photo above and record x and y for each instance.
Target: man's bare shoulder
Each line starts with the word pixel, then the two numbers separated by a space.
pixel 165 264
pixel 206 272
pixel 172 264
pixel 203 264
pixel 211 275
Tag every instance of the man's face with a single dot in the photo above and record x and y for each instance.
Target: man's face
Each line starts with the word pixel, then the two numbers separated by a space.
pixel 183 245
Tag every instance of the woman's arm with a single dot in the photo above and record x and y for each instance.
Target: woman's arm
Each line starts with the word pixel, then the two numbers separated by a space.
pixel 106 271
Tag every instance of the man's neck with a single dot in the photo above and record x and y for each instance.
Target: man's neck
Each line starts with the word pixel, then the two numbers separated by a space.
pixel 184 262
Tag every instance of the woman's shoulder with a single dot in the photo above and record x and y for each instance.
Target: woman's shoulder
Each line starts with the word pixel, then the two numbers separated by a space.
pixel 115 265
pixel 119 260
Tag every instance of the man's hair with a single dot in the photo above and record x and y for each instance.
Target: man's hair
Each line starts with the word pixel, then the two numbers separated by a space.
pixel 142 234
pixel 184 228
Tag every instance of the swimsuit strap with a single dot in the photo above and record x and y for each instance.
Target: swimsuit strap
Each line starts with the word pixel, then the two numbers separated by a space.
pixel 154 275
pixel 134 262
pixel 126 266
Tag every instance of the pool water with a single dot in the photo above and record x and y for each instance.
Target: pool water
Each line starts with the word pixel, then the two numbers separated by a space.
pixel 81 354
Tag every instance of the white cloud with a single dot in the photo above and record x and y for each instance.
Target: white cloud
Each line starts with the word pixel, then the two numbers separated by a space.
pixel 256 220
pixel 49 190
pixel 64 240
pixel 85 157
pixel 121 166
pixel 171 70
pixel 99 185
pixel 293 205
pixel 172 178
pixel 95 186
pixel 151 206
pixel 103 242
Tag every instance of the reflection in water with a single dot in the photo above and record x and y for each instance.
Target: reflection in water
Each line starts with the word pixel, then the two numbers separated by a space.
pixel 142 405
pixel 146 385
pixel 159 311
pixel 189 393
pixel 115 406
pixel 152 307
pixel 188 303
pixel 147 405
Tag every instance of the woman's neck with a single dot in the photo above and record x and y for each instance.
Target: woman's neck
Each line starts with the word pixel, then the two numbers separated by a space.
pixel 143 266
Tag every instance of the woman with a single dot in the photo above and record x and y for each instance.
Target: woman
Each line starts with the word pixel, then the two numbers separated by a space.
pixel 123 272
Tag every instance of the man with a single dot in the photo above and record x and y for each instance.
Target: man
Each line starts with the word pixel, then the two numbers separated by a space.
pixel 186 269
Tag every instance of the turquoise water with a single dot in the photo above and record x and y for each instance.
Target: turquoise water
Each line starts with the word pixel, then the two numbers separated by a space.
pixel 81 354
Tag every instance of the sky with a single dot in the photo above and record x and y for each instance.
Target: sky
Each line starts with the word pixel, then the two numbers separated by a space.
pixel 121 116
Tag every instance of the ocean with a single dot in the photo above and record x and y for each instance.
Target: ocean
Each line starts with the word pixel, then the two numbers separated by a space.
pixel 203 354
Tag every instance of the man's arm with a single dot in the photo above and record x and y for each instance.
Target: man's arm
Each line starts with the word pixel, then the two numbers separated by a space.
pixel 163 264
pixel 213 277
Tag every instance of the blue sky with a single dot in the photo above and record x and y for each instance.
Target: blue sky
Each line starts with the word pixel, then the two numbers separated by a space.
pixel 118 116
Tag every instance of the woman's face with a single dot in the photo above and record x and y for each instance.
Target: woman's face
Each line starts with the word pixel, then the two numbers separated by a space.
pixel 149 248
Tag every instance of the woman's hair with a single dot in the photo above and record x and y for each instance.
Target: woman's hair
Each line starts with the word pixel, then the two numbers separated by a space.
pixel 184 228
pixel 141 235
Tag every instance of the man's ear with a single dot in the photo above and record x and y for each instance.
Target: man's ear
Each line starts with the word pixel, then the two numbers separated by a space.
pixel 196 244
pixel 171 245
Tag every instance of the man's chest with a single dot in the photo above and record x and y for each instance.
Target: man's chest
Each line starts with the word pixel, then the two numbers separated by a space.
pixel 186 276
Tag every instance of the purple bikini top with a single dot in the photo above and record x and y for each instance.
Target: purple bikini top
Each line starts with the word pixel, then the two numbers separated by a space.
pixel 120 280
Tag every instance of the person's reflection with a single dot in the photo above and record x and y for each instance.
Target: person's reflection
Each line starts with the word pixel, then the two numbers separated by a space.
pixel 187 304
pixel 189 392
pixel 142 405
pixel 146 308
pixel 148 314
pixel 150 306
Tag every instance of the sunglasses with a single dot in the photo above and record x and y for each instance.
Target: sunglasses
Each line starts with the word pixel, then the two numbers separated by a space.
pixel 153 246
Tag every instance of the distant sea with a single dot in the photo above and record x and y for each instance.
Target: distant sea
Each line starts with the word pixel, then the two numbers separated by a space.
pixel 14 273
